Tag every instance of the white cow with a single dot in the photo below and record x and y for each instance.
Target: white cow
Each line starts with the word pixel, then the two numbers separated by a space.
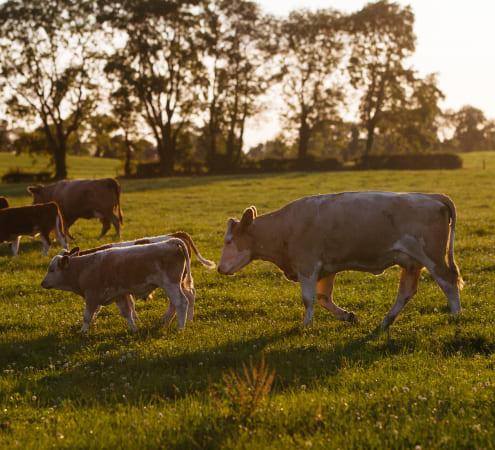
pixel 314 238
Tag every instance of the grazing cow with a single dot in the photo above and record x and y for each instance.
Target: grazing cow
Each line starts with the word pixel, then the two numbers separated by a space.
pixel 4 203
pixel 187 239
pixel 31 220
pixel 84 199
pixel 115 274
pixel 314 238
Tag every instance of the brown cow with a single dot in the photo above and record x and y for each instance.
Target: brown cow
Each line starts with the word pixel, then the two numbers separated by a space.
pixel 314 238
pixel 188 241
pixel 115 274
pixel 42 218
pixel 4 203
pixel 84 199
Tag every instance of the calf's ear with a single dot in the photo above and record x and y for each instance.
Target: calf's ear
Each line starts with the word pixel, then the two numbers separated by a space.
pixel 64 262
pixel 74 252
pixel 248 216
pixel 33 189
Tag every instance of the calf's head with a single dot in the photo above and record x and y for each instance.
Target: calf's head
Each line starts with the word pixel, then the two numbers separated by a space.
pixel 55 277
pixel 238 243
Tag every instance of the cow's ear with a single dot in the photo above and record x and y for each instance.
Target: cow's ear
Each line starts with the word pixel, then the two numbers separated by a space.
pixel 64 262
pixel 34 189
pixel 248 216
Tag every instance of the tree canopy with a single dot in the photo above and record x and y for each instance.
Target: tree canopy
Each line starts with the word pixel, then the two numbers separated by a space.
pixel 106 76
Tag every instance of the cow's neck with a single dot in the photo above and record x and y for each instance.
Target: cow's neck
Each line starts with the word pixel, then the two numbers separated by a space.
pixel 270 237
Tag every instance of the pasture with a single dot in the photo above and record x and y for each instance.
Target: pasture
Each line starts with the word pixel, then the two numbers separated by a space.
pixel 426 383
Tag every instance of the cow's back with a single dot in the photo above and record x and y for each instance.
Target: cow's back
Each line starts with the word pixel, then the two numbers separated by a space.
pixel 128 267
pixel 362 225
pixel 80 198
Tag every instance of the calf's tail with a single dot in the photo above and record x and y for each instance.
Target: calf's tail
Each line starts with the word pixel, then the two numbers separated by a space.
pixel 187 279
pixel 187 239
pixel 450 256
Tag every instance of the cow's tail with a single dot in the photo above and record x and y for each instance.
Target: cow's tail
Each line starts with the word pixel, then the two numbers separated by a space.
pixel 60 232
pixel 187 279
pixel 450 256
pixel 182 235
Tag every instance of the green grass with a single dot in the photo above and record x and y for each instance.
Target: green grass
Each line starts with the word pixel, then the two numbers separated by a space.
pixel 77 166
pixel 429 381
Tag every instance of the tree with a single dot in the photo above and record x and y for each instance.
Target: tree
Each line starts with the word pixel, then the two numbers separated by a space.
pixel 239 48
pixel 381 37
pixel 412 122
pixel 47 61
pixel 311 49
pixel 101 129
pixel 159 65
pixel 469 123
pixel 5 142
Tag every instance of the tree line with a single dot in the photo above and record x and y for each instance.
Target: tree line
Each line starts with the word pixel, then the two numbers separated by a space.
pixel 178 80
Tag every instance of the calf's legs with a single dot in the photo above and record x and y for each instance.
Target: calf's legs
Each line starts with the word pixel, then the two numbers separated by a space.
pixel 89 313
pixel 178 301
pixel 127 311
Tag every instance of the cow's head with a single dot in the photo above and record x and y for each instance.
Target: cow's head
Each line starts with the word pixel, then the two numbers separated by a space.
pixel 55 277
pixel 38 192
pixel 238 243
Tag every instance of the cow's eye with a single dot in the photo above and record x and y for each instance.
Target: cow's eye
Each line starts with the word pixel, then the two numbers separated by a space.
pixel 228 241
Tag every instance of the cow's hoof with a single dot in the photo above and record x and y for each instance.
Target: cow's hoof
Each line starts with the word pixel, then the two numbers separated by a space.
pixel 351 317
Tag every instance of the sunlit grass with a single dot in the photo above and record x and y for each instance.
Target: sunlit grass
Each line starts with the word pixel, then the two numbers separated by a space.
pixel 428 382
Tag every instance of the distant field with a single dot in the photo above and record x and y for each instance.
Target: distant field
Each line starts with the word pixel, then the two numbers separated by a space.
pixel 77 166
pixel 427 383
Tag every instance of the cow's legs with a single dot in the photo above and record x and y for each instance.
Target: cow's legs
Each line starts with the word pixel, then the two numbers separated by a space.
pixel 45 238
pixel 127 311
pixel 116 224
pixel 308 292
pixel 446 277
pixel 89 313
pixel 447 280
pixel 178 300
pixel 324 296
pixel 15 245
pixel 105 226
pixel 408 286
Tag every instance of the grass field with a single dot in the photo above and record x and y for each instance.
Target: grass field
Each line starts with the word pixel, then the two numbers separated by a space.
pixel 429 382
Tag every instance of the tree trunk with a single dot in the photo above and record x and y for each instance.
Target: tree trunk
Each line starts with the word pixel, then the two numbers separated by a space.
pixel 60 162
pixel 304 135
pixel 166 152
pixel 128 155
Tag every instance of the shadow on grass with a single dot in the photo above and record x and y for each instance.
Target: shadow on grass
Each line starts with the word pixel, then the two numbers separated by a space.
pixel 116 375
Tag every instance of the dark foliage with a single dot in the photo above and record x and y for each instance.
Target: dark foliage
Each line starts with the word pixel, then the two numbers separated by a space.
pixel 418 161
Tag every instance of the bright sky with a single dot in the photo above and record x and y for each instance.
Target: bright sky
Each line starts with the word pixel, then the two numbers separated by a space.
pixel 455 39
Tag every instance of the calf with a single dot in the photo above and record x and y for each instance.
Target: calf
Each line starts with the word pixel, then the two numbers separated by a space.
pixel 188 241
pixel 4 203
pixel 84 199
pixel 115 274
pixel 314 238
pixel 31 220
